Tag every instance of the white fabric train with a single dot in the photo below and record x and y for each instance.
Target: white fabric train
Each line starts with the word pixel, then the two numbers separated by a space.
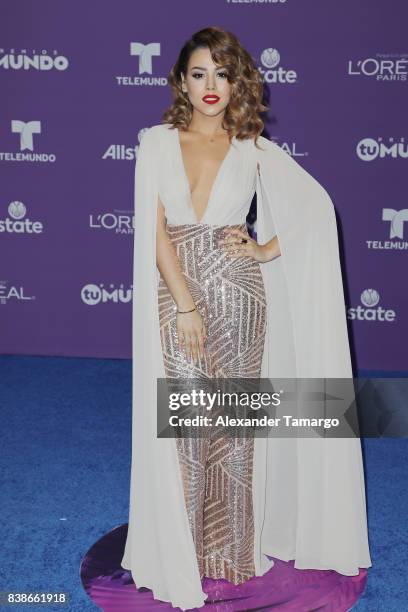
pixel 308 494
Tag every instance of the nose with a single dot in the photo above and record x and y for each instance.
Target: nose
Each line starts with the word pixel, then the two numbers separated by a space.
pixel 210 83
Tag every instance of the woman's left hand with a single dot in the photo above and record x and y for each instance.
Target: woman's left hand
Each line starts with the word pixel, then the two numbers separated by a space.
pixel 236 248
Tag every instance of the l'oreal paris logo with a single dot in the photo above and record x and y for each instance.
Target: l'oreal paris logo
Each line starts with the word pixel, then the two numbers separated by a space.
pixel 118 222
pixel 370 310
pixel 13 292
pixel 370 149
pixel 291 149
pixel 385 67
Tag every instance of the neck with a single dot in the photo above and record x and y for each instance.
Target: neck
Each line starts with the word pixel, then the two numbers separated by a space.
pixel 210 127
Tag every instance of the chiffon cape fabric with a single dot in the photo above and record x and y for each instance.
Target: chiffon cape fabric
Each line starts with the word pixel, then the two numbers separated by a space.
pixel 308 493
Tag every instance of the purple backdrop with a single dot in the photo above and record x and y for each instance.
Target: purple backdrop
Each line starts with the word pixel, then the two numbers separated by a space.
pixel 78 84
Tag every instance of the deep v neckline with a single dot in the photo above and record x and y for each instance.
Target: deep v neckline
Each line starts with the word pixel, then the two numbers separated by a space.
pixel 187 183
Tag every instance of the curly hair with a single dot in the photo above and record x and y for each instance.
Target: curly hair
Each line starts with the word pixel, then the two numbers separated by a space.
pixel 242 115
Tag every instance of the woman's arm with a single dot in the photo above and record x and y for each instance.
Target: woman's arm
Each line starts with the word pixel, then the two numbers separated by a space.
pixel 259 252
pixel 271 249
pixel 169 265
pixel 190 326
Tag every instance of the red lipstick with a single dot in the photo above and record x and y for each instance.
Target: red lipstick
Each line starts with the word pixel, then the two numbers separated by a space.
pixel 211 99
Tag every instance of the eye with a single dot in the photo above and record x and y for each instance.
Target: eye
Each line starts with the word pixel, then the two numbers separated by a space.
pixel 224 75
pixel 197 74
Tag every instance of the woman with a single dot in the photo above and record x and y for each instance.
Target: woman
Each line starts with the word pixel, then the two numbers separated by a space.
pixel 209 301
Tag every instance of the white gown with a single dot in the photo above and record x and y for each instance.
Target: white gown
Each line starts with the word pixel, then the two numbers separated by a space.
pixel 308 493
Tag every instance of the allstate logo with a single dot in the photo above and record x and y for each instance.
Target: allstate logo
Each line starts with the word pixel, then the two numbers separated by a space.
pixel 270 58
pixel 370 298
pixel 17 223
pixel 271 71
pixel 371 310
pixel 17 210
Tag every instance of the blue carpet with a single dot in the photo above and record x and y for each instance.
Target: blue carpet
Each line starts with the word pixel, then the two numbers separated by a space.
pixel 66 438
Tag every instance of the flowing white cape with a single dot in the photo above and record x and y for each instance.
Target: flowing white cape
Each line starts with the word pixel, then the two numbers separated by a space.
pixel 308 494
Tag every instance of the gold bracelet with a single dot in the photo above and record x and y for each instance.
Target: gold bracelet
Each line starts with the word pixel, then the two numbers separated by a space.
pixel 185 311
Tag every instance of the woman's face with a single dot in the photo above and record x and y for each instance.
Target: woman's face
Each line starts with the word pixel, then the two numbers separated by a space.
pixel 206 84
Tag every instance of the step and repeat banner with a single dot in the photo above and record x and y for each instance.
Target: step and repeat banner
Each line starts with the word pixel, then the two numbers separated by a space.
pixel 81 80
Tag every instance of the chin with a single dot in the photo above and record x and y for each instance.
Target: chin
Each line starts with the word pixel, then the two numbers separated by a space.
pixel 209 109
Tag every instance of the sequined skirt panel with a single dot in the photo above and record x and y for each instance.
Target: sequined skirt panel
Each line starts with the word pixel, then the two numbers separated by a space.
pixel 217 470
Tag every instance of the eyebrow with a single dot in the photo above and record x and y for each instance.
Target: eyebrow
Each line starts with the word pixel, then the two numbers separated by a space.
pixel 201 68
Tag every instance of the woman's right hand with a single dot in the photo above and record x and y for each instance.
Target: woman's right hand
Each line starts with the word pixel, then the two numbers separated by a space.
pixel 191 334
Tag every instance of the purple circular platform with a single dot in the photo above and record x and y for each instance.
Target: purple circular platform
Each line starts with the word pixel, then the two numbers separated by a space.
pixel 282 589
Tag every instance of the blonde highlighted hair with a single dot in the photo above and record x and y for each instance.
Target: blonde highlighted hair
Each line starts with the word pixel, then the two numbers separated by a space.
pixel 242 115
